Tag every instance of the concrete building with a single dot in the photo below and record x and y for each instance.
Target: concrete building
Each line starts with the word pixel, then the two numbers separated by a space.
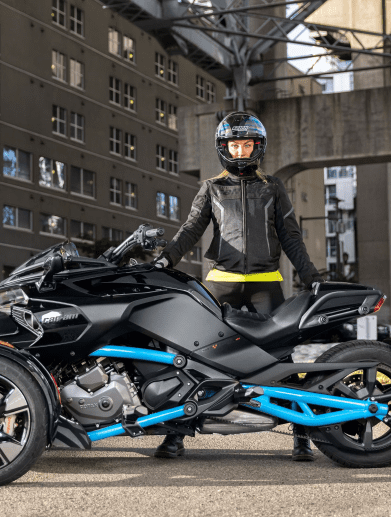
pixel 89 128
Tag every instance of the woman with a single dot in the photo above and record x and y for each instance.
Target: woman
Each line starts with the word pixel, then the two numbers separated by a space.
pixel 253 220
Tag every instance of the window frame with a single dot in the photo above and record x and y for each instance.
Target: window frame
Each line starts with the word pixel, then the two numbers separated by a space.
pixel 17 168
pixel 110 238
pixel 75 73
pixel 160 66
pixel 111 42
pixel 82 193
pixel 172 72
pixel 56 120
pixel 114 191
pixel 57 65
pixel 128 97
pixel 114 91
pixel 53 167
pixel 173 162
pixel 165 204
pixel 161 152
pixel 131 194
pixel 81 239
pixel 17 227
pixel 170 198
pixel 114 132
pixel 161 112
pixel 200 87
pixel 210 92
pixel 172 119
pixel 56 9
pixel 128 145
pixel 73 124
pixel 125 53
pixel 76 21
pixel 42 232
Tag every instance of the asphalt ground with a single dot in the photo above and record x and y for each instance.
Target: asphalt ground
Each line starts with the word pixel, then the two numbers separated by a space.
pixel 241 475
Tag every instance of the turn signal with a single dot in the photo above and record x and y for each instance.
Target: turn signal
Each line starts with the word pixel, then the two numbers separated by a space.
pixel 379 304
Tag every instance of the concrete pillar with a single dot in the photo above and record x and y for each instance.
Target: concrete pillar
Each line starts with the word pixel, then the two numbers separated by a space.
pixel 374 230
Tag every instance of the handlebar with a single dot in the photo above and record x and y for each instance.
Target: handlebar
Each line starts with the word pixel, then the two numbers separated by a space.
pixel 145 236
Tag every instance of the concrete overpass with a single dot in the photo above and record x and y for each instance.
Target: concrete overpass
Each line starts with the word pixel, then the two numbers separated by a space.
pixel 350 128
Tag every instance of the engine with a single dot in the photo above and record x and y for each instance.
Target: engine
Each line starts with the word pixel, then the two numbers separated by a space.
pixel 96 395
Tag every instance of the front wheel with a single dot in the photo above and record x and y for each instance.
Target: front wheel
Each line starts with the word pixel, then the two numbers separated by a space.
pixel 23 421
pixel 369 439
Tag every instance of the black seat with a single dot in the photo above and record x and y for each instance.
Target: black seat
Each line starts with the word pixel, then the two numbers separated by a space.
pixel 269 330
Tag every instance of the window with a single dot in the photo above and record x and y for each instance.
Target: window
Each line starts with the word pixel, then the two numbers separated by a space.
pixel 130 146
pixel 331 247
pixel 332 221
pixel 331 192
pixel 115 90
pixel 16 163
pixel 51 173
pixel 17 218
pixel 82 182
pixel 114 42
pixel 76 21
pixel 172 72
pixel 195 255
pixel 77 127
pixel 173 161
pixel 159 65
pixel 111 234
pixel 332 172
pixel 131 195
pixel 59 120
pixel 210 92
pixel 58 12
pixel 161 162
pixel 129 97
pixel 161 204
pixel 174 208
pixel 160 112
pixel 83 231
pixel 76 74
pixel 200 87
pixel 115 140
pixel 115 191
pixel 128 51
pixel 172 117
pixel 59 66
pixel 53 224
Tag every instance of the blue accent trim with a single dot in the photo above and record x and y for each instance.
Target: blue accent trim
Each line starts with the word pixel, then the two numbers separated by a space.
pixel 142 354
pixel 145 421
pixel 351 409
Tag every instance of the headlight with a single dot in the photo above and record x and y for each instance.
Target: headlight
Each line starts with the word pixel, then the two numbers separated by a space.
pixel 9 298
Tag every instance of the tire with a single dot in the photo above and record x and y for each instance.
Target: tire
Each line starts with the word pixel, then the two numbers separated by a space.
pixel 23 415
pixel 380 456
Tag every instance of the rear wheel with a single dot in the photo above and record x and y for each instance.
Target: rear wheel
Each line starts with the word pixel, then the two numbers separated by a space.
pixel 23 421
pixel 369 439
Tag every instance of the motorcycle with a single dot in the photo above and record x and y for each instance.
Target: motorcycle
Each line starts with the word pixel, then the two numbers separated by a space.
pixel 91 348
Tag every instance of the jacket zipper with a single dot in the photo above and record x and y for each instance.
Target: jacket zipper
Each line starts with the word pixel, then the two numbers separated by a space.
pixel 244 209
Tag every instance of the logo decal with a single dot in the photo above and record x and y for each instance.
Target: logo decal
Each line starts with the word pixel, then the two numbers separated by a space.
pixel 240 128
pixel 54 317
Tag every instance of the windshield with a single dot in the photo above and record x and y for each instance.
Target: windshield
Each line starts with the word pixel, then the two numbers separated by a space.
pixel 67 250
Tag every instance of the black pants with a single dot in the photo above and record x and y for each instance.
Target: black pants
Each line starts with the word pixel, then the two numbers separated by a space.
pixel 261 297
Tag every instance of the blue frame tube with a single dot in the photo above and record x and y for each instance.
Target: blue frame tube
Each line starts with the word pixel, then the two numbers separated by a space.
pixel 145 421
pixel 142 354
pixel 351 409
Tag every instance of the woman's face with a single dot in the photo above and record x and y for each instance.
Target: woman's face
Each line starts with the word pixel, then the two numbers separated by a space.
pixel 240 148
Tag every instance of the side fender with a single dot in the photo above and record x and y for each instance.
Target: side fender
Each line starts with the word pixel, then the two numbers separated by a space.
pixel 43 379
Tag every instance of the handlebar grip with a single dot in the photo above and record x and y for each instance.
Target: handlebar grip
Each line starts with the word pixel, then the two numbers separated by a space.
pixel 161 242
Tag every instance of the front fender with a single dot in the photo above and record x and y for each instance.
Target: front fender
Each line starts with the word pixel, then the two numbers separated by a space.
pixel 43 379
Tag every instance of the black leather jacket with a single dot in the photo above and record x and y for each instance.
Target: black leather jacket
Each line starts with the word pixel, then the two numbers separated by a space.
pixel 252 221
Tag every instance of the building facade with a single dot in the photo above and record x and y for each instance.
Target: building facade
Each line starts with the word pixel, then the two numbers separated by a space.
pixel 89 129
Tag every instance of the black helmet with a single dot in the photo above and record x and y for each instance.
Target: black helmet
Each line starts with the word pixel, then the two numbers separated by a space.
pixel 237 126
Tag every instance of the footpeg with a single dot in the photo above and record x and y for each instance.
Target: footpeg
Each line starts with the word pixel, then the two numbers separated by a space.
pixel 130 414
pixel 243 395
